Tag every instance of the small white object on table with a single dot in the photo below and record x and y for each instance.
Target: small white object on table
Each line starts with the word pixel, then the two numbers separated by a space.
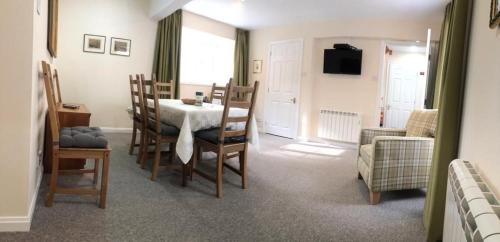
pixel 190 118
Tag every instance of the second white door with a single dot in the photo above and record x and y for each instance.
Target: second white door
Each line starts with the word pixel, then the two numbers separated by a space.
pixel 283 88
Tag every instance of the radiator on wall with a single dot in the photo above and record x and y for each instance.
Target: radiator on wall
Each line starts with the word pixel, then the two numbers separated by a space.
pixel 339 126
pixel 472 211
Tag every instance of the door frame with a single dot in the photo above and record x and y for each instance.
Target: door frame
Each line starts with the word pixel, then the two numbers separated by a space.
pixel 299 84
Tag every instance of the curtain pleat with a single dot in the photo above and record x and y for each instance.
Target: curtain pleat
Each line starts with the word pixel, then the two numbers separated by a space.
pixel 166 63
pixel 240 75
pixel 450 81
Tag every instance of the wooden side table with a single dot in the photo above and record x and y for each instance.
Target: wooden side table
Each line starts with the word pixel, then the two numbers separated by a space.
pixel 67 118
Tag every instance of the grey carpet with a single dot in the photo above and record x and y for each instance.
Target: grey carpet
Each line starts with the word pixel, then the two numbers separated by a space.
pixel 293 195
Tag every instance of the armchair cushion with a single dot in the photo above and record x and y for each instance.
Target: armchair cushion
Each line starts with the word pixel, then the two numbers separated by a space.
pixel 422 123
pixel 367 135
pixel 365 151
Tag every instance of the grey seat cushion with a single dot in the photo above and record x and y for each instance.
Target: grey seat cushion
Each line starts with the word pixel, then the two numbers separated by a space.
pixel 82 137
pixel 212 136
pixel 166 130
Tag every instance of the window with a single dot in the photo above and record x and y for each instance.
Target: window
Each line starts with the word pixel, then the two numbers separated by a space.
pixel 205 58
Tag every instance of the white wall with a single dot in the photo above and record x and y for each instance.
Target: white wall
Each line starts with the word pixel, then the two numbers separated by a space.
pixel 207 25
pixel 101 80
pixel 309 32
pixel 481 118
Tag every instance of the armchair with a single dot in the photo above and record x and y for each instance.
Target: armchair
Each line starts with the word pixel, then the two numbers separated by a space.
pixel 397 159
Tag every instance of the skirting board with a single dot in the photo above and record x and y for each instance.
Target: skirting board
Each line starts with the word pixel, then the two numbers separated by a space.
pixel 116 130
pixel 22 223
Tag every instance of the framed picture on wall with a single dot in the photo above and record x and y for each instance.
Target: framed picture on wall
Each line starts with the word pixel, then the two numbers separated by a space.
pixel 257 66
pixel 120 46
pixel 494 14
pixel 94 43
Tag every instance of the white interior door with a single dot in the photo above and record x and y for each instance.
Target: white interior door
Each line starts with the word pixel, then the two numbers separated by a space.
pixel 283 88
pixel 402 93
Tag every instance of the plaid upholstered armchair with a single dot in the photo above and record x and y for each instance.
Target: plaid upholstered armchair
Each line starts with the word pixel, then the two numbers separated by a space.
pixel 397 159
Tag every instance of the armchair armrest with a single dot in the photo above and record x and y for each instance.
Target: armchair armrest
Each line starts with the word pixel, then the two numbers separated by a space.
pixel 367 135
pixel 400 162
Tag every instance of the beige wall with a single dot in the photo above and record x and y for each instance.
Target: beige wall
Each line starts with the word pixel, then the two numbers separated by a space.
pixel 16 22
pixel 101 80
pixel 481 118
pixel 310 32
pixel 204 24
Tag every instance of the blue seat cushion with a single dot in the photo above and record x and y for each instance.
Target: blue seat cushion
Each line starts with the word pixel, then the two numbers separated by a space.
pixel 82 137
pixel 166 130
pixel 212 136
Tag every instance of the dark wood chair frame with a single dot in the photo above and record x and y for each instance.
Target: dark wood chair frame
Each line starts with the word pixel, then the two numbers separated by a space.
pixel 152 112
pixel 237 97
pixel 73 153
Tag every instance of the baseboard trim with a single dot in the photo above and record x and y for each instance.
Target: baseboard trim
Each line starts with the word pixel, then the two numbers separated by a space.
pixel 116 130
pixel 22 223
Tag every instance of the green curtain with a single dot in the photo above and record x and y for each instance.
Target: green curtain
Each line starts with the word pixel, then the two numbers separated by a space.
pixel 167 57
pixel 443 51
pixel 240 75
pixel 453 65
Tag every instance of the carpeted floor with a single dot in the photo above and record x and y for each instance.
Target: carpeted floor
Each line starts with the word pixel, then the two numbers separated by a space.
pixel 297 192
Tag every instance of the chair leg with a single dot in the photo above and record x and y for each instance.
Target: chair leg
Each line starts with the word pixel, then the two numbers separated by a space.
pixel 53 178
pixel 172 152
pixel 141 145
pixel 243 168
pixel 218 178
pixel 104 181
pixel 132 142
pixel 96 171
pixel 374 198
pixel 144 152
pixel 156 162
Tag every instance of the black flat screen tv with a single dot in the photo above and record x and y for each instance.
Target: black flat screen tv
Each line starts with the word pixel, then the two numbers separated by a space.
pixel 343 61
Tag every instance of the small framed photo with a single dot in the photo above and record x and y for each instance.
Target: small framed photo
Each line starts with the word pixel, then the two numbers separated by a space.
pixel 94 43
pixel 257 66
pixel 494 14
pixel 120 46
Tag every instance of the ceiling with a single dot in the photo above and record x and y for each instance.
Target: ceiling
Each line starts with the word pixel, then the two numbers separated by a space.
pixel 254 14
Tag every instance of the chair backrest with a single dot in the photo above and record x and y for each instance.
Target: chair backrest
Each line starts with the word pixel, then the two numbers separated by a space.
pixel 52 107
pixel 152 90
pixel 218 93
pixel 422 123
pixel 166 90
pixel 234 99
pixel 137 97
pixel 57 87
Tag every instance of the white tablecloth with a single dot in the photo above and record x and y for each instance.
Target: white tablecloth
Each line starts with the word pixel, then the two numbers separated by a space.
pixel 190 118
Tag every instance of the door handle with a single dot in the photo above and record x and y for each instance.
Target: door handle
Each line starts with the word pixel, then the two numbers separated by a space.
pixel 294 100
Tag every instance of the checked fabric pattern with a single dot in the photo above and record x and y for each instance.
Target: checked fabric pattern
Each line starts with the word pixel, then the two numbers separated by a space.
pixel 390 160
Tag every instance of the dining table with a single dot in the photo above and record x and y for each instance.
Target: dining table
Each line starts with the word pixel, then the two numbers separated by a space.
pixel 191 118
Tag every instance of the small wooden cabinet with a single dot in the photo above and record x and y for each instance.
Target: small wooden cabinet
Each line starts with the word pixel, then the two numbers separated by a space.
pixel 67 118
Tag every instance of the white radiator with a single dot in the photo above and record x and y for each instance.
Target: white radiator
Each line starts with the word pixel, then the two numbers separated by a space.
pixel 472 212
pixel 339 126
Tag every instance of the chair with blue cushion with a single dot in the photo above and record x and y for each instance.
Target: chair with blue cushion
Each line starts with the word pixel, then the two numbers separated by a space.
pixel 228 141
pixel 75 143
pixel 160 132
pixel 137 115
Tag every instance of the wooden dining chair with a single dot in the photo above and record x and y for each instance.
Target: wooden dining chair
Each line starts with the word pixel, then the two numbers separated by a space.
pixel 57 87
pixel 75 143
pixel 156 130
pixel 218 93
pixel 139 122
pixel 228 142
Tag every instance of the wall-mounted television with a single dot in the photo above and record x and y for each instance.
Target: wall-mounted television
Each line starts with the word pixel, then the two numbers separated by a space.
pixel 343 61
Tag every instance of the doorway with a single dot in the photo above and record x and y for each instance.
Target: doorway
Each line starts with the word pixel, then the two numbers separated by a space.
pixel 283 88
pixel 406 67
